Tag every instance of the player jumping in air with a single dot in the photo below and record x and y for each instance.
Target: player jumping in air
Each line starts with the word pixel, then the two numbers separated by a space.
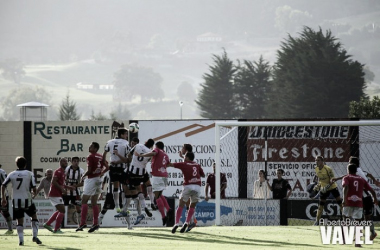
pixel 192 173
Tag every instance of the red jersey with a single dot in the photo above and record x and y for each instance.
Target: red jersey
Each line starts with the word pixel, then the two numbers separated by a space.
pixel 355 185
pixel 192 172
pixel 94 165
pixel 159 163
pixel 60 175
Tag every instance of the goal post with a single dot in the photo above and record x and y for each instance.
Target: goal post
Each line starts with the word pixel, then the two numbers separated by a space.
pixel 253 143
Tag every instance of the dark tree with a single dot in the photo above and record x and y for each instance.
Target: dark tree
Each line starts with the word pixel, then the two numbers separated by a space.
pixel 215 99
pixel 251 85
pixel 314 77
pixel 365 109
pixel 68 110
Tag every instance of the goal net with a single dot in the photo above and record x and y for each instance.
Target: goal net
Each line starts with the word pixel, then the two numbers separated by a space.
pixel 245 148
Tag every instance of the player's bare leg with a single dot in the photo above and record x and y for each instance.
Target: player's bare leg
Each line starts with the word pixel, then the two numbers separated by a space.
pixel 115 193
pixel 137 200
pixel 151 195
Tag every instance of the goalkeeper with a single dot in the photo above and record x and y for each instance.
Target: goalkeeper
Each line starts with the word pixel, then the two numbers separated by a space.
pixel 325 186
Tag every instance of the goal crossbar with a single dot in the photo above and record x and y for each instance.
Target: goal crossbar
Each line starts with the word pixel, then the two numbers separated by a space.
pixel 220 124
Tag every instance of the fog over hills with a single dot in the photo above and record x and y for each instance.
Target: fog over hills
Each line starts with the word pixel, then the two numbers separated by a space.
pixel 66 45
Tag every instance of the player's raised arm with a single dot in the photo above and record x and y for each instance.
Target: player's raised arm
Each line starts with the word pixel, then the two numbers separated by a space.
pixel 334 179
pixel 150 154
pixel 376 182
pixel 105 168
pixel 123 159
pixel 105 155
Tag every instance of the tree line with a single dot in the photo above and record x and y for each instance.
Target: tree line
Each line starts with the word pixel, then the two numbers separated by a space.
pixel 313 77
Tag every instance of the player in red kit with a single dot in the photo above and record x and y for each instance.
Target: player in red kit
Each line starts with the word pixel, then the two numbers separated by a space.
pixel 192 173
pixel 182 153
pixel 159 179
pixel 57 189
pixel 353 187
pixel 92 186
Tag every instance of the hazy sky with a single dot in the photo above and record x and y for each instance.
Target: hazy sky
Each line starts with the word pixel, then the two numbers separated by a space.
pixel 84 23
pixel 63 31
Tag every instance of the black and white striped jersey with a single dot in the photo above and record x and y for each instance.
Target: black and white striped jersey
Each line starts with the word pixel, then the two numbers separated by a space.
pixel 22 182
pixel 122 147
pixel 106 183
pixel 3 176
pixel 138 163
pixel 73 177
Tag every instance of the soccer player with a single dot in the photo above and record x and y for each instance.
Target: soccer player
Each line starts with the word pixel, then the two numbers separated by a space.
pixel 109 202
pixel 147 186
pixel 367 199
pixel 280 187
pixel 160 161
pixel 5 210
pixel 45 184
pixel 182 153
pixel 353 187
pixel 185 148
pixel 192 173
pixel 137 174
pixel 117 166
pixel 57 189
pixel 326 186
pixel 22 182
pixel 96 168
pixel 73 179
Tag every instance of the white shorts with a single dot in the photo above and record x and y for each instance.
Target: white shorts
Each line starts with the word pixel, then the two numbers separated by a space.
pixel 192 192
pixel 353 212
pixel 56 201
pixel 92 186
pixel 159 183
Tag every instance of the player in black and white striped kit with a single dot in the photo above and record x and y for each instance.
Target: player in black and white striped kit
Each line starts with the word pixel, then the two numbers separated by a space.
pixel 22 181
pixel 117 165
pixel 73 175
pixel 109 203
pixel 137 174
pixel 4 210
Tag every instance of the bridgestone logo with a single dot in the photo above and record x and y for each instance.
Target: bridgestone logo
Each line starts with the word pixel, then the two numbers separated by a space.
pixel 299 132
pixel 299 143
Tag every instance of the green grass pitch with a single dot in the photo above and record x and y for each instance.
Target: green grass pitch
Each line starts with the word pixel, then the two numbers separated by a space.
pixel 205 238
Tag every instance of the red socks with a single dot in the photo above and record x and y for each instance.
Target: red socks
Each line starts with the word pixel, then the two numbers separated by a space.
pixel 190 214
pixel 84 214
